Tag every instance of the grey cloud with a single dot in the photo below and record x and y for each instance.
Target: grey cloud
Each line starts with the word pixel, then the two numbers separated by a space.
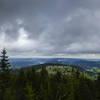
pixel 50 27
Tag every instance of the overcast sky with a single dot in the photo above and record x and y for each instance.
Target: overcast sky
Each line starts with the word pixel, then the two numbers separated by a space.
pixel 50 28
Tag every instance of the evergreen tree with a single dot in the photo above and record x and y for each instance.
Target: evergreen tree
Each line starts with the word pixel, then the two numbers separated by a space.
pixel 77 74
pixel 4 74
pixel 4 65
pixel 44 86
pixel 98 87
pixel 20 85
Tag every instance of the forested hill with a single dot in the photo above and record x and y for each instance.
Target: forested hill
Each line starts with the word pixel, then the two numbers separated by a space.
pixel 24 62
pixel 90 66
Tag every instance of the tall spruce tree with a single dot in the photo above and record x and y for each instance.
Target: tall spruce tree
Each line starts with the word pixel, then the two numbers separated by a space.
pixel 4 74
pixel 4 65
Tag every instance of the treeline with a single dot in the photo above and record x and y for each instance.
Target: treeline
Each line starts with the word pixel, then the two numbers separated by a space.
pixel 32 85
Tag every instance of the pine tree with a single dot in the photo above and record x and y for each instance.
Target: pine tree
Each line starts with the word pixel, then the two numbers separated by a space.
pixel 4 65
pixel 98 87
pixel 4 74
pixel 44 86
pixel 20 85
pixel 77 74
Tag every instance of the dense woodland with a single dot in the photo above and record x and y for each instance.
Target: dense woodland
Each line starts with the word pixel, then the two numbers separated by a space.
pixel 32 85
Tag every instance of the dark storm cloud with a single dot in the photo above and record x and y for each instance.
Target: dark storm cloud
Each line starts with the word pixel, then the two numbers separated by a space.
pixel 50 27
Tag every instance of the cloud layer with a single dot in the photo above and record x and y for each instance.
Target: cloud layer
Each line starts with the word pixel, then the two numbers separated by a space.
pixel 53 28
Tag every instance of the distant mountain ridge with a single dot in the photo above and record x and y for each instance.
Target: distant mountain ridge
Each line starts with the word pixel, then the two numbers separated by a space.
pixel 25 62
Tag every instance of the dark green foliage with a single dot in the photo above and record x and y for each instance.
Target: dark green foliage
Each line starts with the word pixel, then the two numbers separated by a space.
pixel 31 85
pixel 98 88
pixel 28 84
pixel 4 75
pixel 4 64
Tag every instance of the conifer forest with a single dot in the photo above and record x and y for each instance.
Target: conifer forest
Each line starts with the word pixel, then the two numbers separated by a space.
pixel 30 84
